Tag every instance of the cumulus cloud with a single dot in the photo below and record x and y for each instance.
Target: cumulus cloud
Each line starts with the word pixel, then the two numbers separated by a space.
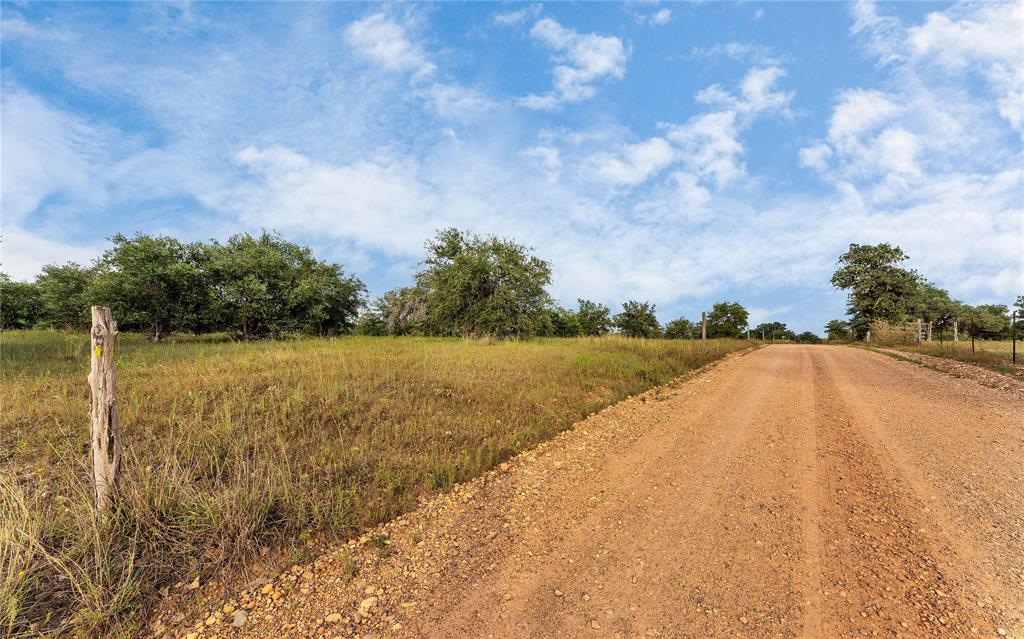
pixel 581 60
pixel 519 16
pixel 382 40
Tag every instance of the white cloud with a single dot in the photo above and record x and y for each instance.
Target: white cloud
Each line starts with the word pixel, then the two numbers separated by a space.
pixel 758 14
pixel 24 253
pixel 634 164
pixel 581 61
pixel 757 93
pixel 519 16
pixel 710 145
pixel 382 40
pixel 816 156
pixel 661 17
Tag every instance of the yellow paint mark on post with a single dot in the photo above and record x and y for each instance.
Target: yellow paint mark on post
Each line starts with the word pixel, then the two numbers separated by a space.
pixel 99 351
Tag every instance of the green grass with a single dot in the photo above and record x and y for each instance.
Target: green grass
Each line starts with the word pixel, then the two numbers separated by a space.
pixel 991 354
pixel 231 446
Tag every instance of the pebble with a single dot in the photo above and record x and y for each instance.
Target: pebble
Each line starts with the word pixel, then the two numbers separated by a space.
pixel 239 618
pixel 334 617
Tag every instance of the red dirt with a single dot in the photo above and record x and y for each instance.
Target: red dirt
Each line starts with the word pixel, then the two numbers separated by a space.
pixel 795 491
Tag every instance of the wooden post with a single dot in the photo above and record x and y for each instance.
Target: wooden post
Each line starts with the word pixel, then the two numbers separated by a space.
pixel 703 325
pixel 106 426
pixel 956 325
pixel 867 338
pixel 1013 334
pixel 917 332
pixel 929 331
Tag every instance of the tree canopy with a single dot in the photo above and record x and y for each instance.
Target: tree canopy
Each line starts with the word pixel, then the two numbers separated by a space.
pixel 727 319
pixel 637 319
pixel 878 288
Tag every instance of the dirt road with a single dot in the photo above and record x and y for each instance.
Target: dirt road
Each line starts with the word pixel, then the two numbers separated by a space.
pixel 794 491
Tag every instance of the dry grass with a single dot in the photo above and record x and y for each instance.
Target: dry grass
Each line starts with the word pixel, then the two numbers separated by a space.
pixel 234 446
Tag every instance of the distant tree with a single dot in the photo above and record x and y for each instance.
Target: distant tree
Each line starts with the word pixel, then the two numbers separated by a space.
pixel 878 288
pixel 985 321
pixel 403 311
pixel 807 337
pixel 837 330
pixel 562 322
pixel 20 303
pixel 65 295
pixel 593 318
pixel 682 328
pixel 153 283
pixel 265 286
pixel 773 331
pixel 727 319
pixel 637 319
pixel 477 286
pixel 933 305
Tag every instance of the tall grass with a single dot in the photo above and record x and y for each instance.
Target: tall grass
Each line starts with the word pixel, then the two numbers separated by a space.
pixel 230 447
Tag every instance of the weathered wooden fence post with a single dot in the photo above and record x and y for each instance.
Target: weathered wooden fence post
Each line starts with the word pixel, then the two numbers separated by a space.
pixel 956 326
pixel 917 332
pixel 929 330
pixel 1013 334
pixel 703 325
pixel 106 426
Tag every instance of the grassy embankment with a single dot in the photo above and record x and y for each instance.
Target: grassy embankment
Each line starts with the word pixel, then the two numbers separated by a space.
pixel 991 354
pixel 230 447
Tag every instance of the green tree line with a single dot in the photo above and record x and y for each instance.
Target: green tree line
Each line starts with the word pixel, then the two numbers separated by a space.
pixel 880 289
pixel 264 286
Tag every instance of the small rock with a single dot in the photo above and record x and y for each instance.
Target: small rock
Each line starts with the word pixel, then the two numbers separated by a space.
pixel 366 605
pixel 239 618
pixel 594 624
pixel 334 617
pixel 558 593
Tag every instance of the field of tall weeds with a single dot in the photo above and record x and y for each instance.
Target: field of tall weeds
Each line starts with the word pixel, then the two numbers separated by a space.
pixel 231 447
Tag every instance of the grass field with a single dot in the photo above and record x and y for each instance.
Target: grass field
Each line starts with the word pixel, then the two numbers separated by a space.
pixel 991 354
pixel 231 446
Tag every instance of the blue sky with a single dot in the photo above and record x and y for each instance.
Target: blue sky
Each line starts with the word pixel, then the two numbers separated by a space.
pixel 677 153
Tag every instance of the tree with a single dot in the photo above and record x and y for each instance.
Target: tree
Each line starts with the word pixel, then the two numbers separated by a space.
pixel 403 311
pixel 934 306
pixel 65 295
pixel 773 331
pixel 153 283
pixel 562 322
pixel 878 288
pixel 637 319
pixel 807 337
pixel 727 319
pixel 837 330
pixel 985 321
pixel 682 328
pixel 20 303
pixel 477 286
pixel 593 318
pixel 265 286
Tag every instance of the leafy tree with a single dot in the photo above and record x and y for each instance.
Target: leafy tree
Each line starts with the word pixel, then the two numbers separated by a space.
pixel 477 286
pixel 837 330
pixel 265 286
pixel 403 311
pixel 807 337
pixel 727 319
pixel 593 318
pixel 682 328
pixel 773 331
pixel 562 322
pixel 65 295
pixel 637 319
pixel 933 304
pixel 985 321
pixel 878 288
pixel 20 303
pixel 153 283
